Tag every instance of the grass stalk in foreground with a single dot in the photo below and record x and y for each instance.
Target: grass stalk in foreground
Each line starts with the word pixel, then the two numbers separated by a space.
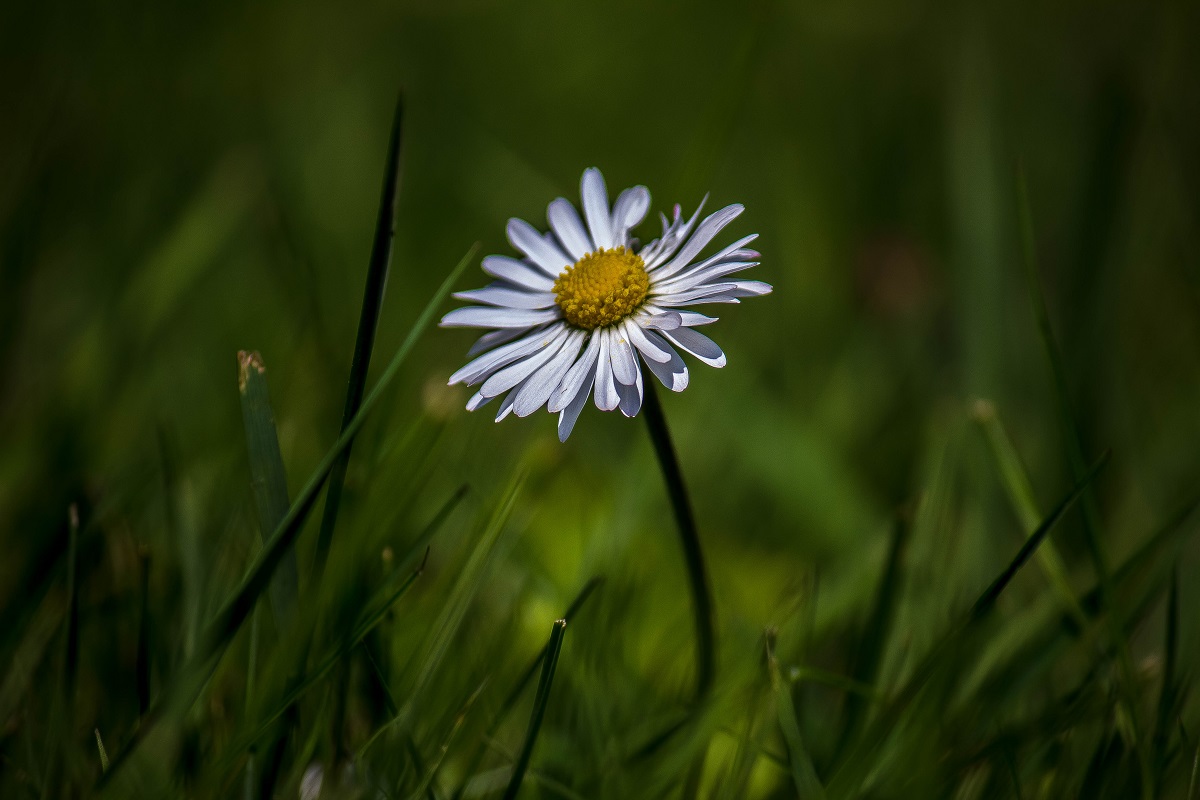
pixel 549 664
pixel 804 774
pixel 702 604
pixel 186 685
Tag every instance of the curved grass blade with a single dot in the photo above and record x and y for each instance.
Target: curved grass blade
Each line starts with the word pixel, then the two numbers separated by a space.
pixel 849 775
pixel 1074 447
pixel 540 701
pixel 186 686
pixel 804 775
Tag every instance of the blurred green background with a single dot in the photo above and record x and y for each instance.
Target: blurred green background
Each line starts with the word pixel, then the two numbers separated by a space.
pixel 180 182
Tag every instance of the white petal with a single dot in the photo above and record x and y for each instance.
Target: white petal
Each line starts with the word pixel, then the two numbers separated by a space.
pixel 481 317
pixel 631 396
pixel 493 339
pixel 659 319
pixel 628 212
pixel 647 348
pixel 506 406
pixel 620 352
pixel 488 363
pixel 693 318
pixel 606 390
pixel 507 298
pixel 704 234
pixel 518 272
pixel 699 345
pixel 535 391
pixel 546 255
pixel 673 236
pixel 723 297
pixel 676 298
pixel 510 376
pixel 751 289
pixel 595 207
pixel 674 373
pixel 583 370
pixel 569 414
pixel 477 400
pixel 564 221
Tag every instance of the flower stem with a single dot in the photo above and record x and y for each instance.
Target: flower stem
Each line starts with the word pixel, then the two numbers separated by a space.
pixel 702 605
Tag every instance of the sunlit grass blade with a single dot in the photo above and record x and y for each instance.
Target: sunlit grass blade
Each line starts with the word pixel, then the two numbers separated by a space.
pixel 1075 457
pixel 1020 494
pixel 364 343
pixel 183 690
pixel 804 775
pixel 540 701
pixel 268 478
pixel 103 752
pixel 698 581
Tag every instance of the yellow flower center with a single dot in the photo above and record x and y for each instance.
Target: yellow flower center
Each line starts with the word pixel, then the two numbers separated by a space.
pixel 602 288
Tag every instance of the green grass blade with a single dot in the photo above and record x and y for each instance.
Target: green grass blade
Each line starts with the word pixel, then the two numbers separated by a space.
pixel 875 636
pixel 804 774
pixel 103 752
pixel 228 620
pixel 364 343
pixel 1020 495
pixel 1075 457
pixel 141 669
pixel 540 701
pixel 268 478
pixel 1168 693
pixel 62 719
pixel 426 788
pixel 518 688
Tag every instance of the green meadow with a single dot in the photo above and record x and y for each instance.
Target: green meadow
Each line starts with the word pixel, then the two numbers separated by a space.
pixel 931 532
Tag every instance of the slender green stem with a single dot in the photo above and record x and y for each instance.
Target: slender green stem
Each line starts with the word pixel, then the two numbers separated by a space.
pixel 702 605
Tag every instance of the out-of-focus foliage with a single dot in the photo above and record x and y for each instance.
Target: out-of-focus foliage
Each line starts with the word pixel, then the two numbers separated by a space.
pixel 178 183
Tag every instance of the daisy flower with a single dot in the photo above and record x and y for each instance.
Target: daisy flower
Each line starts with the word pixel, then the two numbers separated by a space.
pixel 585 307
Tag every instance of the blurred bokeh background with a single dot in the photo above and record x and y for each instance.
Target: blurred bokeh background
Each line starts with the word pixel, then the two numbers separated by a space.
pixel 182 181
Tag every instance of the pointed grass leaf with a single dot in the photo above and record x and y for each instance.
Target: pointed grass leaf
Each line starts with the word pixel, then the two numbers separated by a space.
pixel 804 774
pixel 186 685
pixel 540 701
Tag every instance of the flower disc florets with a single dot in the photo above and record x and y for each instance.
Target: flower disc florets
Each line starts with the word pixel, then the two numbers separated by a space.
pixel 602 288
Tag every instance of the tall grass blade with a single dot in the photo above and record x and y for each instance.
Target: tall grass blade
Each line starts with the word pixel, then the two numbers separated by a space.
pixel 510 701
pixel 268 478
pixel 1075 457
pixel 1168 693
pixel 364 343
pixel 426 787
pixel 1020 495
pixel 183 690
pixel 62 720
pixel 804 774
pixel 540 701
pixel 103 752
pixel 141 668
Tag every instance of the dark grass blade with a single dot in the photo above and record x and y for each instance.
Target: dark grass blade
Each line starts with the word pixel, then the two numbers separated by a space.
pixel 386 598
pixel 62 720
pixel 514 694
pixel 187 684
pixel 540 701
pixel 875 635
pixel 698 581
pixel 1074 446
pixel 804 774
pixel 1168 695
pixel 141 669
pixel 849 774
pixel 268 478
pixel 426 788
pixel 364 343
